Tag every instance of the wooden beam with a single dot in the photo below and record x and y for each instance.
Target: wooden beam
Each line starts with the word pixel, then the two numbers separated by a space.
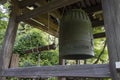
pixel 43 48
pixel 8 43
pixel 39 3
pixel 96 71
pixel 53 28
pixel 47 8
pixel 44 20
pixel 111 11
pixel 35 24
pixel 25 3
pixel 55 14
pixel 61 62
pixel 41 27
pixel 14 63
pixel 99 35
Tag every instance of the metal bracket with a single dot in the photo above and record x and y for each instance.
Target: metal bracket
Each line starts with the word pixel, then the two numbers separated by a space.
pixel 117 65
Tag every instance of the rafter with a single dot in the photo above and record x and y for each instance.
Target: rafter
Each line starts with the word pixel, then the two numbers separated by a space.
pixel 43 19
pixel 43 48
pixel 25 3
pixel 48 22
pixel 47 8
pixel 41 27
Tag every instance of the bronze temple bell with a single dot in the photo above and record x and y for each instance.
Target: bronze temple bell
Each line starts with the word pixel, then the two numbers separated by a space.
pixel 76 38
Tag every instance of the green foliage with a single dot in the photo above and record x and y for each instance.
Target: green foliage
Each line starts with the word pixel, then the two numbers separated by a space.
pixel 3 22
pixel 98 47
pixel 31 39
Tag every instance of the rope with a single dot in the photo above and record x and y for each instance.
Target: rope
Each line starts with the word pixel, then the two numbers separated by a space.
pixel 101 53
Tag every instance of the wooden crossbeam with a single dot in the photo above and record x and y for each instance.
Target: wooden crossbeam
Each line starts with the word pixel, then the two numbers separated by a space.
pixel 43 48
pixel 41 27
pixel 9 39
pixel 55 14
pixel 47 8
pixel 96 71
pixel 111 11
pixel 44 19
pixel 99 35
pixel 25 3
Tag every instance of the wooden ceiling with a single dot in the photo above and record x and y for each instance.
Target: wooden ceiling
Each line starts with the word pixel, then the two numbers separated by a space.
pixel 35 12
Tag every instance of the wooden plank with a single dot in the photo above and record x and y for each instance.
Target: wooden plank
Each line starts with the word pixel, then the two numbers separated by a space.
pixel 55 14
pixel 111 11
pixel 61 62
pixel 41 27
pixel 25 3
pixel 14 61
pixel 47 8
pixel 43 48
pixel 99 35
pixel 8 42
pixel 44 20
pixel 96 70
pixel 9 39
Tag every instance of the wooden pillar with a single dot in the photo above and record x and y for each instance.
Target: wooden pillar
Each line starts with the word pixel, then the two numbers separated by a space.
pixel 14 63
pixel 8 42
pixel 111 11
pixel 61 62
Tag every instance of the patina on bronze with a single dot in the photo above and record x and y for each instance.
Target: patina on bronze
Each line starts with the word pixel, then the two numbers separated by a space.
pixel 76 38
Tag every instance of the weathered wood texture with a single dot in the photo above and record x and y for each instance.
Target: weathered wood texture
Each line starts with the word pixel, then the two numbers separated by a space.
pixel 47 8
pixel 6 51
pixel 43 48
pixel 37 4
pixel 41 27
pixel 25 3
pixel 101 70
pixel 111 10
pixel 42 19
pixel 14 61
pixel 8 43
